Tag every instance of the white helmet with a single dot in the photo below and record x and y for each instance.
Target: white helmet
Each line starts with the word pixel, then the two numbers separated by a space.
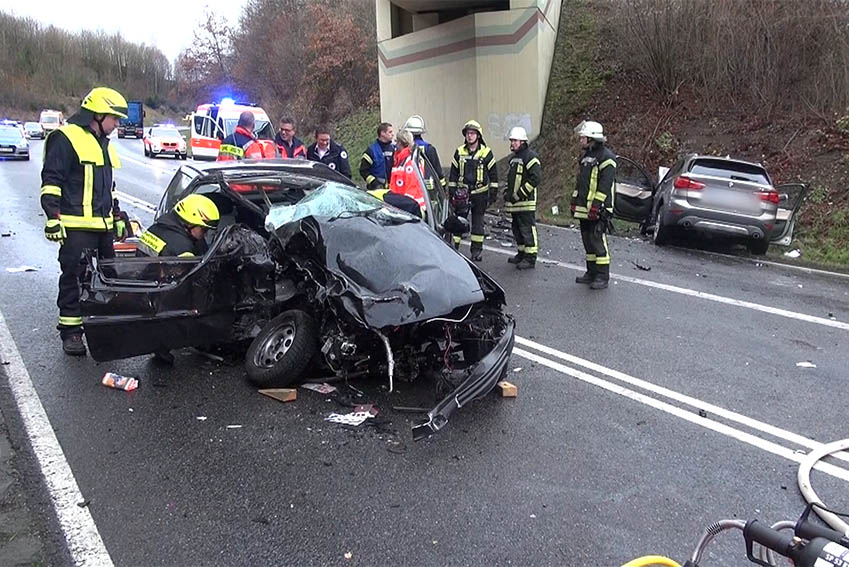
pixel 415 125
pixel 518 133
pixel 590 129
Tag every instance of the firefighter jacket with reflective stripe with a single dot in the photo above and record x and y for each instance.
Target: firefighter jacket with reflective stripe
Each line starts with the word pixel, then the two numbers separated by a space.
pixel 403 179
pixel 474 170
pixel 294 149
pixel 169 236
pixel 595 182
pixel 242 144
pixel 524 177
pixel 376 163
pixel 433 157
pixel 335 158
pixel 76 179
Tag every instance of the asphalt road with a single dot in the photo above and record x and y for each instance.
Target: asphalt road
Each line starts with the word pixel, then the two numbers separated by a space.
pixel 645 412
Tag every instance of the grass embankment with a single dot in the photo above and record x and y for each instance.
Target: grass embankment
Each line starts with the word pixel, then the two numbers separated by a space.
pixel 355 132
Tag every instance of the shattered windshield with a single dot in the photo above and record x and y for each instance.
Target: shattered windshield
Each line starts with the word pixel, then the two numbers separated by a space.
pixel 334 200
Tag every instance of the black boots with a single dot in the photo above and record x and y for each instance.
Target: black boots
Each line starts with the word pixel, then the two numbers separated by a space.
pixel 527 262
pixel 475 254
pixel 588 276
pixel 515 259
pixel 596 276
pixel 73 344
pixel 600 280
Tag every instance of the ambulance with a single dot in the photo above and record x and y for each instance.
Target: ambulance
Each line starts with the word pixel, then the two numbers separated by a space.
pixel 211 123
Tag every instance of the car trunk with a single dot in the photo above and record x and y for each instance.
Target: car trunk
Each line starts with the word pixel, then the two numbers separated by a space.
pixel 728 187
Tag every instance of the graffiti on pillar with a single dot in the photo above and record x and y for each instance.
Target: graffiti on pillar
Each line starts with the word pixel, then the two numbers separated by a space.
pixel 499 125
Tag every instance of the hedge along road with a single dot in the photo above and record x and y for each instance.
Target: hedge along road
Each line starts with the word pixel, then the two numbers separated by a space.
pixel 604 455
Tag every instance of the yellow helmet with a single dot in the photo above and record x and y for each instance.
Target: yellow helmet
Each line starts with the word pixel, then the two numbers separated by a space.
pixel 197 210
pixel 103 100
pixel 472 125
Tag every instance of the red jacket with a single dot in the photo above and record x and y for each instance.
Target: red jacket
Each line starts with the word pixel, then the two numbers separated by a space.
pixel 404 180
pixel 252 148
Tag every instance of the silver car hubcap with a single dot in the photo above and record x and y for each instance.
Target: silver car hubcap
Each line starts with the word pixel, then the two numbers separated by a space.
pixel 275 346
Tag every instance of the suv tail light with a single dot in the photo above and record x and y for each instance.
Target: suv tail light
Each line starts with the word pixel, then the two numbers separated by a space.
pixel 683 182
pixel 769 196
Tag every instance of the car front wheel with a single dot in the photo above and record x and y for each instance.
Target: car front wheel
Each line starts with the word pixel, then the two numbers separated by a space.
pixel 281 352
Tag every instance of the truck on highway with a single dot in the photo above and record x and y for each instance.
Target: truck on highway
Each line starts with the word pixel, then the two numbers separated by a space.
pixel 134 124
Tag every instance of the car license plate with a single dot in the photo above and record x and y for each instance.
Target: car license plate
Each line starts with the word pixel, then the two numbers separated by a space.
pixel 7 150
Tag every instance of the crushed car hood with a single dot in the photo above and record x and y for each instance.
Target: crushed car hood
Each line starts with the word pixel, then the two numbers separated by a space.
pixel 387 274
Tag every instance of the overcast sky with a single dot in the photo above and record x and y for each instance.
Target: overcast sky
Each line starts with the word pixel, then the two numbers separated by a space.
pixel 165 24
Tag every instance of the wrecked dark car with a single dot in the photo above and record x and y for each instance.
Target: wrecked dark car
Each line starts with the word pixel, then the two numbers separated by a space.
pixel 309 273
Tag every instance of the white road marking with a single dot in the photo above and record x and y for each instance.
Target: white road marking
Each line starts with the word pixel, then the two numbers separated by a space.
pixel 681 398
pixel 699 294
pixel 748 438
pixel 135 201
pixel 81 535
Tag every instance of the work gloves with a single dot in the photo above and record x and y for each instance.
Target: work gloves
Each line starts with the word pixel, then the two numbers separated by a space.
pixel 593 213
pixel 53 230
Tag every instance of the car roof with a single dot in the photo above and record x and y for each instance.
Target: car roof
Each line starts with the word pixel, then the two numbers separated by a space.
pixel 695 156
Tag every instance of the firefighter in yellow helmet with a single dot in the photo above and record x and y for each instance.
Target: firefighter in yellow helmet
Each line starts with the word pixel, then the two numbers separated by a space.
pixel 473 184
pixel 181 231
pixel 76 195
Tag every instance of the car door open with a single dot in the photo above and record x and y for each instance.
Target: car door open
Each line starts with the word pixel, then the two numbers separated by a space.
pixel 633 191
pixel 790 199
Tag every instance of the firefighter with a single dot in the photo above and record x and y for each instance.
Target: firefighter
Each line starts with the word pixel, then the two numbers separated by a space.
pixel 473 172
pixel 377 161
pixel 524 176
pixel 416 126
pixel 243 144
pixel 121 225
pixel 180 232
pixel 76 196
pixel 287 144
pixel 328 152
pixel 593 202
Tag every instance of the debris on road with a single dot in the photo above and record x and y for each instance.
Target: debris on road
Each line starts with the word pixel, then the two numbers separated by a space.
pixel 112 380
pixel 209 355
pixel 518 369
pixel 508 389
pixel 555 210
pixel 22 269
pixel 323 388
pixel 806 364
pixel 234 426
pixel 201 418
pixel 506 244
pixel 641 266
pixel 347 555
pixel 702 413
pixel 280 394
pixel 793 253
pixel 5 234
pixel 354 418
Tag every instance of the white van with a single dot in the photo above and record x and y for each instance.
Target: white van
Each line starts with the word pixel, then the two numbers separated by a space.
pixel 211 123
pixel 51 120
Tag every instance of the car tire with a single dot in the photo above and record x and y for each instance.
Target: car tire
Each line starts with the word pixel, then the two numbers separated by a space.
pixel 661 234
pixel 758 247
pixel 145 148
pixel 281 352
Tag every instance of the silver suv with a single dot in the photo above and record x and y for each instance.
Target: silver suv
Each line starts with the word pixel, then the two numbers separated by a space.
pixel 711 195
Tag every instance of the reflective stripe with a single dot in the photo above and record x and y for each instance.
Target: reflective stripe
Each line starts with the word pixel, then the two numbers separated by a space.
pixel 88 189
pixel 378 193
pixel 70 321
pixel 95 223
pixel 186 255
pixel 521 247
pixel 476 237
pixel 368 158
pixel 369 179
pixel 113 157
pixel 85 144
pixel 521 206
pixel 231 150
pixel 151 244
pixel 531 162
pixel 51 190
pixel 479 190
pixel 606 259
pixel 606 163
pixel 590 257
pixel 456 239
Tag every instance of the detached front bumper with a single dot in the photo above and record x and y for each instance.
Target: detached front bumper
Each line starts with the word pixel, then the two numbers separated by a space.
pixel 482 378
